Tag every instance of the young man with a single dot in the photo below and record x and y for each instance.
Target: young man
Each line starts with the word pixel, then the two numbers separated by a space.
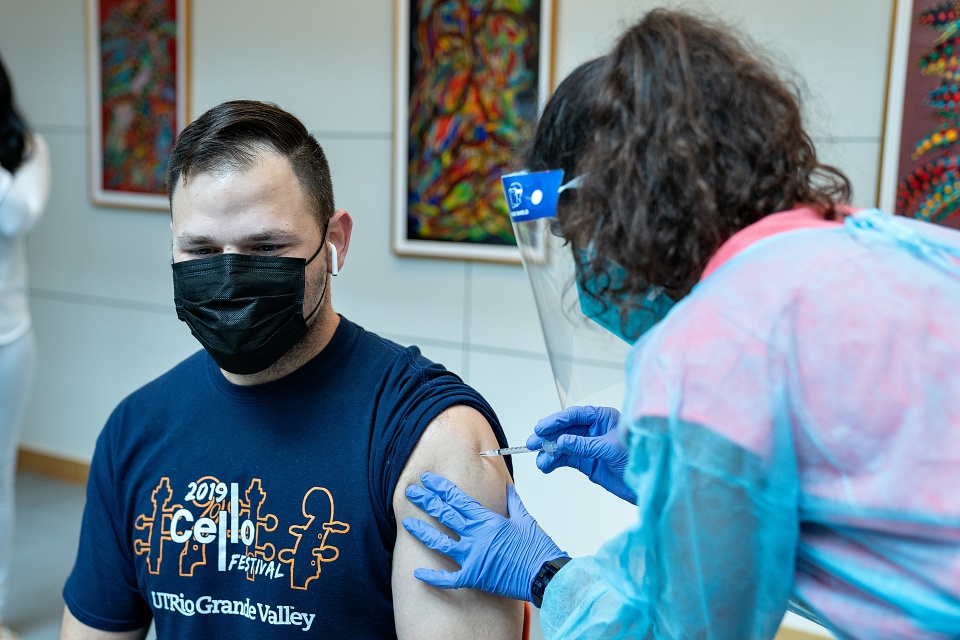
pixel 253 491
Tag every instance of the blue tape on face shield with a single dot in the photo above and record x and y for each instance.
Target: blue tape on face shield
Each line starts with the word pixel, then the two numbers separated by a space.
pixel 532 196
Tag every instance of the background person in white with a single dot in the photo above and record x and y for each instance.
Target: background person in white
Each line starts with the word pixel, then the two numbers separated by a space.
pixel 258 205
pixel 24 189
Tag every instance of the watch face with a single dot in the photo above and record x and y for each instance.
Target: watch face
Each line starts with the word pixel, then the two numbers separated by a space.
pixel 543 577
pixel 536 589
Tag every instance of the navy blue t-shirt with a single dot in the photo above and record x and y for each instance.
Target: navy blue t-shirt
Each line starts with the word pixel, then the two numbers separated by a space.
pixel 225 511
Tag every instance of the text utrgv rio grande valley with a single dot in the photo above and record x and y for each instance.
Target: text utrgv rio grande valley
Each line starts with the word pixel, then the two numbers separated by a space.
pixel 204 605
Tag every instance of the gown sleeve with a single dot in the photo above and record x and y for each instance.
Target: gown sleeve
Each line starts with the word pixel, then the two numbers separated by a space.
pixel 712 552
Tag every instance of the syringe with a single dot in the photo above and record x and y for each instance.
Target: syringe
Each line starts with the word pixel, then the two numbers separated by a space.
pixel 547 446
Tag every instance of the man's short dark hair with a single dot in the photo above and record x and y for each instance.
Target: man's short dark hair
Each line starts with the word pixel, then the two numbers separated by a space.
pixel 232 135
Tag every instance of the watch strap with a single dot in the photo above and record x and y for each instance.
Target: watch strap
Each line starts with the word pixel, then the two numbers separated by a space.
pixel 544 576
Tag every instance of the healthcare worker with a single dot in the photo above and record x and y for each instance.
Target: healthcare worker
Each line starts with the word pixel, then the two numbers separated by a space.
pixel 791 427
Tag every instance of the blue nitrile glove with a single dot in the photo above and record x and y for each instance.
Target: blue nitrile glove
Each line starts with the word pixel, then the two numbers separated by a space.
pixel 496 554
pixel 586 440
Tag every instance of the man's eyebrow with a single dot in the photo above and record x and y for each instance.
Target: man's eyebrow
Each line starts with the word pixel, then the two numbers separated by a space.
pixel 192 240
pixel 271 236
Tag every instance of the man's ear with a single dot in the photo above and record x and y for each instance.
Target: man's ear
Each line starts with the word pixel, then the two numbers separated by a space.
pixel 339 230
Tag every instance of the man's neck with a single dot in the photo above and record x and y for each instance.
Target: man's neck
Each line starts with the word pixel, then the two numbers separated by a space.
pixel 316 340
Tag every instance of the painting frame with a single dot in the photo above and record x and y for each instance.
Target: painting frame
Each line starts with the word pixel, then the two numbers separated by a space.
pixel 129 173
pixel 911 121
pixel 402 241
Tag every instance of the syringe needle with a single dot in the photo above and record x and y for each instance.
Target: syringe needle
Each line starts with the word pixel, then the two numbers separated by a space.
pixel 547 446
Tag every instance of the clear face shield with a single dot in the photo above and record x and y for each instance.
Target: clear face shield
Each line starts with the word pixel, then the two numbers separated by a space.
pixel 587 360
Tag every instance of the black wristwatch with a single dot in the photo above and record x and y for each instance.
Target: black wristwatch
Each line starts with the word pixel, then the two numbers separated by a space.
pixel 544 576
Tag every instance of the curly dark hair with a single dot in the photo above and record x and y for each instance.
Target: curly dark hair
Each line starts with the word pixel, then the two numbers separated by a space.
pixel 13 128
pixel 566 123
pixel 684 137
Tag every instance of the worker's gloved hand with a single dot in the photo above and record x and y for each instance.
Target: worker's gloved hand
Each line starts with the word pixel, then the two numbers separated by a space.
pixel 496 554
pixel 586 440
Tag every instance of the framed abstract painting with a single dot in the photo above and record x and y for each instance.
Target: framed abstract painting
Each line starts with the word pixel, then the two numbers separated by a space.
pixel 470 80
pixel 138 101
pixel 920 156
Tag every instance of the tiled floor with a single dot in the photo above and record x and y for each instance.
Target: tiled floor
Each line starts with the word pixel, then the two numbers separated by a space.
pixel 48 524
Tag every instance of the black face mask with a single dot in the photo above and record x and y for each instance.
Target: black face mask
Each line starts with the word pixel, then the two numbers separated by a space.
pixel 246 311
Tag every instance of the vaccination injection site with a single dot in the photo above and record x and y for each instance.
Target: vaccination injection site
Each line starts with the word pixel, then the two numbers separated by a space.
pixel 480 319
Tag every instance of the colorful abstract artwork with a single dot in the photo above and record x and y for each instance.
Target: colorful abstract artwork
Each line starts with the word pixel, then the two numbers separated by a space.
pixel 471 76
pixel 138 101
pixel 920 174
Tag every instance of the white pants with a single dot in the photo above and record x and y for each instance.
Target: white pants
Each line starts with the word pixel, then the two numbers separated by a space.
pixel 18 362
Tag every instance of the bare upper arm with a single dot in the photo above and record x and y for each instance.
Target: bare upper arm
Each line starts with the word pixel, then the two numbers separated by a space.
pixel 73 629
pixel 449 447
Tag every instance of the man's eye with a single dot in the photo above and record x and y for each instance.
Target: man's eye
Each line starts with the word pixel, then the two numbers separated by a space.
pixel 200 251
pixel 266 248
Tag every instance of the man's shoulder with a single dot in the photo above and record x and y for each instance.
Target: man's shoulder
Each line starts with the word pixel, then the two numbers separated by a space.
pixel 190 369
pixel 423 412
pixel 391 357
pixel 374 341
pixel 184 377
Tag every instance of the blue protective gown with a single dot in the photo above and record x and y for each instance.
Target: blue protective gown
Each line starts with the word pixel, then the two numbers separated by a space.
pixel 794 436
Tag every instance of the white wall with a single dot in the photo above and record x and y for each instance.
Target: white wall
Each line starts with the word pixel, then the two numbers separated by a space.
pixel 101 288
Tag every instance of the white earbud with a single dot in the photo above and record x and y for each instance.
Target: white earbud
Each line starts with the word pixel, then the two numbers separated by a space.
pixel 334 268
